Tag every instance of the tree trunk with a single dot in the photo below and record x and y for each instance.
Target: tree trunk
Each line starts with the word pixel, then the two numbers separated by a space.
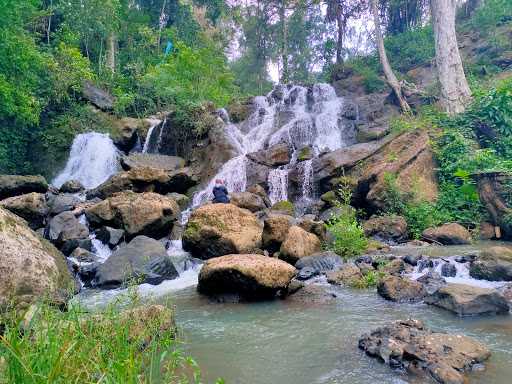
pixel 386 67
pixel 111 52
pixel 160 23
pixel 285 76
pixel 341 33
pixel 455 92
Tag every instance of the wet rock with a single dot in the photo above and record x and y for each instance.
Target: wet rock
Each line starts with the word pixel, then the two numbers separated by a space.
pixel 32 207
pixel 335 212
pixel 221 229
pixel 412 259
pixel 143 258
pixel 431 281
pixel 284 207
pixel 260 191
pixel 253 277
pixel 69 246
pixel 391 229
pixel 30 267
pixel 62 203
pixel 408 345
pixel 465 258
pixel 467 300
pixel 275 156
pixel 72 186
pixel 124 133
pixel 395 267
pixel 298 244
pixel 110 236
pixel 494 264
pixel 313 295
pixel 15 185
pixel 401 290
pixel 448 270
pixel 65 230
pixel 150 160
pixel 317 263
pixel 448 234
pixel 276 227
pixel 147 214
pixel 87 272
pixel 305 153
pixel 311 225
pixel 347 274
pixel 247 200
pixel 97 96
pixel 83 256
pixel 256 173
pixel 182 200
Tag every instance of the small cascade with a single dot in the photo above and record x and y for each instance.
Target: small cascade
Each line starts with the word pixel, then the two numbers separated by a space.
pixel 154 123
pixel 160 135
pixel 92 160
pixel 307 182
pixel 278 185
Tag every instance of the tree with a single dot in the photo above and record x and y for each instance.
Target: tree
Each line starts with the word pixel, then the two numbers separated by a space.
pixel 386 67
pixel 455 92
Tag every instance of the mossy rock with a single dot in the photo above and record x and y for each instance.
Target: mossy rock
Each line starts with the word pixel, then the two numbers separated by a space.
pixel 239 111
pixel 284 206
pixel 304 154
pixel 329 197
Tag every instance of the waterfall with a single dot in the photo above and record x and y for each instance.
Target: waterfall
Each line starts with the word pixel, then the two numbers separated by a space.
pixel 278 185
pixel 154 123
pixel 92 160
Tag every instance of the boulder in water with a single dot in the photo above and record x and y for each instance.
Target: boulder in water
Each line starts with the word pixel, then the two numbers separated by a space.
pixel 147 214
pixel 390 229
pixel 400 289
pixel 145 160
pixel 62 203
pixel 110 236
pixel 65 229
pixel 317 263
pixel 143 259
pixel 252 277
pixel 410 346
pixel 467 300
pixel 431 281
pixel 221 229
pixel 494 264
pixel 83 256
pixel 247 200
pixel 448 234
pixel 348 274
pixel 298 244
pixel 276 227
pixel 30 267
pixel 32 207
pixel 448 270
pixel 15 185
pixel 182 200
pixel 72 186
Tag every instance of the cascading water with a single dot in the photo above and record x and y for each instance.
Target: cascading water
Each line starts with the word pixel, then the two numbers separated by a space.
pixel 154 123
pixel 92 160
pixel 278 185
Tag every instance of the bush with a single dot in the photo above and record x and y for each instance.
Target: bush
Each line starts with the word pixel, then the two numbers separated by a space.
pixel 410 49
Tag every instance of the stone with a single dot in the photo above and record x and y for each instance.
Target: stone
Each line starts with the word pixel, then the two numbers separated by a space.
pixel 275 156
pixel 221 229
pixel 448 270
pixel 66 228
pixel 276 227
pixel 150 160
pixel 390 229
pixel 432 281
pixel 412 259
pixel 247 200
pixel 467 300
pixel 400 289
pixel 124 133
pixel 336 212
pixel 143 259
pixel 83 256
pixel 15 185
pixel 305 153
pixel 253 277
pixel 311 225
pixel 317 263
pixel 32 207
pixel 493 264
pixel 110 236
pixel 348 274
pixel 30 267
pixel 62 203
pixel 72 186
pixel 147 214
pixel 487 231
pixel 298 244
pixel 448 234
pixel 394 267
pixel 97 96
pixel 285 207
pixel 408 345
pixel 260 191
pixel 182 200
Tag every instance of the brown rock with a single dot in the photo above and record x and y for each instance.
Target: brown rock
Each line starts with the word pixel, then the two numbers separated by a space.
pixel 147 160
pixel 247 200
pixel 31 207
pixel 487 231
pixel 298 243
pixel 448 234
pixel 276 227
pixel 401 290
pixel 15 185
pixel 274 156
pixel 348 274
pixel 386 228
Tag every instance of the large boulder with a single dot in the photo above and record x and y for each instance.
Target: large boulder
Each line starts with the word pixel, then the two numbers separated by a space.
pixel 72 186
pixel 494 264
pixel 298 244
pixel 221 229
pixel 408 345
pixel 248 200
pixel 143 259
pixel 391 228
pixel 348 274
pixel 66 231
pixel 124 133
pixel 467 300
pixel 250 276
pixel 14 185
pixel 32 207
pixel 30 267
pixel 401 290
pixel 97 96
pixel 145 160
pixel 62 202
pixel 276 227
pixel 146 179
pixel 317 263
pixel 147 214
pixel 274 156
pixel 448 234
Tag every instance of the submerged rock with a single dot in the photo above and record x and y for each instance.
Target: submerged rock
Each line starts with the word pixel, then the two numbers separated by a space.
pixel 31 207
pixel 494 264
pixel 298 244
pixel 448 234
pixel 401 290
pixel 15 185
pixel 143 259
pixel 467 300
pixel 221 229
pixel 408 345
pixel 30 267
pixel 448 270
pixel 253 277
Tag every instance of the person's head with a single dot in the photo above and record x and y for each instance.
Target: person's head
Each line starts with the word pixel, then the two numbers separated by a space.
pixel 219 182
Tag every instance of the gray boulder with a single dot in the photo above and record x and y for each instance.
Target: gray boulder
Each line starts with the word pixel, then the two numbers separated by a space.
pixel 72 186
pixel 97 96
pixel 110 236
pixel 14 185
pixel 32 207
pixel 65 230
pixel 62 202
pixel 143 259
pixel 494 264
pixel 317 263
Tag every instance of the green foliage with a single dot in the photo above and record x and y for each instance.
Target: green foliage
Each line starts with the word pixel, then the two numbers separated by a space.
pixel 491 14
pixel 285 206
pixel 368 280
pixel 348 235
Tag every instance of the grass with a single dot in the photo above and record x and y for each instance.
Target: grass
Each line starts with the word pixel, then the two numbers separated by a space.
pixel 51 346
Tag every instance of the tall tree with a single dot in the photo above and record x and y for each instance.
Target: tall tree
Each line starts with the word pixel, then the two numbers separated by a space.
pixel 455 92
pixel 386 67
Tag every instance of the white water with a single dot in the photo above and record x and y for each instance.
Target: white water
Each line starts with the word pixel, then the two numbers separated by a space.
pixel 278 185
pixel 154 124
pixel 92 160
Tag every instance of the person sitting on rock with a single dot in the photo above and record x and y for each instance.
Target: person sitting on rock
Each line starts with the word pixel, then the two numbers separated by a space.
pixel 220 192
